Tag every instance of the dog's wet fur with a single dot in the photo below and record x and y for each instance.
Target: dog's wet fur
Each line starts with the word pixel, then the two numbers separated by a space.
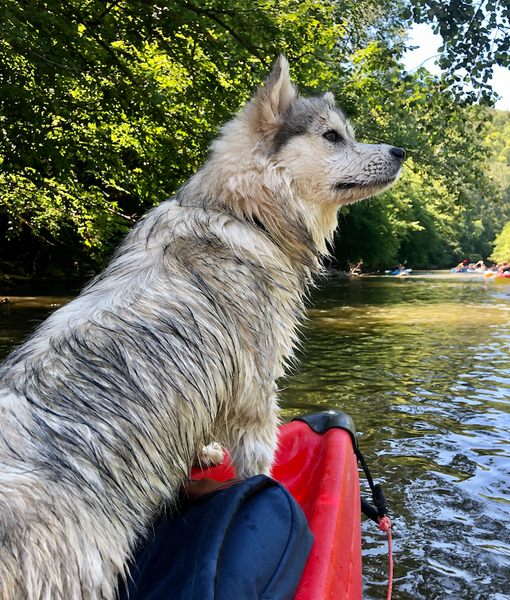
pixel 180 341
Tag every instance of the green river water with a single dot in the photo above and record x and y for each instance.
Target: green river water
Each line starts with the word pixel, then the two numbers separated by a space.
pixel 422 365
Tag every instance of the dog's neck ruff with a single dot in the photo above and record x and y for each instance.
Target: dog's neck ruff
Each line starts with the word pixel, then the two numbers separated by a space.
pixel 282 219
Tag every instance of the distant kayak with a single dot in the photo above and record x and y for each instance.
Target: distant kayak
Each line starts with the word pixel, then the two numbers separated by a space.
pixel 400 273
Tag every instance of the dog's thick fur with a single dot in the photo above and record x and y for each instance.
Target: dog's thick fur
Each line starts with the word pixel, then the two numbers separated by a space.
pixel 178 342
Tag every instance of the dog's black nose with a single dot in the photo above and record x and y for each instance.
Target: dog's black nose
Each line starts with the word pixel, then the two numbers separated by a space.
pixel 398 152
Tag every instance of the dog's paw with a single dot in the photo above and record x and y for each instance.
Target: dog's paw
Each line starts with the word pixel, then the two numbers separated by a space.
pixel 210 455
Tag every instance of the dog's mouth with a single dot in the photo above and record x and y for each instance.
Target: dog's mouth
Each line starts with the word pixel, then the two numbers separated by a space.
pixel 344 186
pixel 349 185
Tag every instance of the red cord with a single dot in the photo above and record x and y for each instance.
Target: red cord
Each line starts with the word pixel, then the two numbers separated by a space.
pixel 385 525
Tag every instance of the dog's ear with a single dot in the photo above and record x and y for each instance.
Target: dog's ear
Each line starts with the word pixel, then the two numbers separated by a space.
pixel 273 98
pixel 330 99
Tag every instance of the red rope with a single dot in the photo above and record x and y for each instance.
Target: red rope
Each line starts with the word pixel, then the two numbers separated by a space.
pixel 385 525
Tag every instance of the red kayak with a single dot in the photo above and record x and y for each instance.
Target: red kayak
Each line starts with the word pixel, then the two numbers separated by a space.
pixel 315 461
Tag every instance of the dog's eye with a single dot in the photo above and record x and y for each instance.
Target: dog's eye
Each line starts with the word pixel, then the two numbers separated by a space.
pixel 332 136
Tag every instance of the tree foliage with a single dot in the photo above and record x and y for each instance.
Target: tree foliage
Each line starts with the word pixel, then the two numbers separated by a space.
pixel 500 168
pixel 502 245
pixel 499 143
pixel 476 36
pixel 107 107
pixel 422 223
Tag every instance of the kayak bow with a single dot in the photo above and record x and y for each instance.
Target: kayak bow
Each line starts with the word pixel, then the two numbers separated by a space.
pixel 315 461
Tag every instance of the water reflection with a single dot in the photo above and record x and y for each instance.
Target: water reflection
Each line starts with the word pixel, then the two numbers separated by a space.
pixel 19 315
pixel 423 367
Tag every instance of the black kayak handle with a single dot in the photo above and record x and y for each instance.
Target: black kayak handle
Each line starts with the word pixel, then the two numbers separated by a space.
pixel 325 420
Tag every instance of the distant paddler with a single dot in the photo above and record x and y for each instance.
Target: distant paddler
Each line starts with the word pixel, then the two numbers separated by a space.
pixel 503 273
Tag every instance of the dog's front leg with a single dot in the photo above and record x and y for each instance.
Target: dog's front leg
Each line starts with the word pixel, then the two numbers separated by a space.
pixel 253 436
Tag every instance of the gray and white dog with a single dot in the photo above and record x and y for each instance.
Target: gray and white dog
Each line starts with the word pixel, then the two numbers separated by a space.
pixel 180 341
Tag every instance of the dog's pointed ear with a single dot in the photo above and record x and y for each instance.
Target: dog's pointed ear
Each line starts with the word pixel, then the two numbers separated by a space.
pixel 274 97
pixel 330 99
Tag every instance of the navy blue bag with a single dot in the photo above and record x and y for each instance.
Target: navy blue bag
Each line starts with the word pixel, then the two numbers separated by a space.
pixel 249 541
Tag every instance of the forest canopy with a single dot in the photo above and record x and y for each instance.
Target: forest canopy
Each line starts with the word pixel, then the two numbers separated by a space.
pixel 106 108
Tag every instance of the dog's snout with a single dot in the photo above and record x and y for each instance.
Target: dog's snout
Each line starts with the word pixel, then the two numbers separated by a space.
pixel 399 153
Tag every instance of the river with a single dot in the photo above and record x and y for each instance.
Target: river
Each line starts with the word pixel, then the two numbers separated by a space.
pixel 422 365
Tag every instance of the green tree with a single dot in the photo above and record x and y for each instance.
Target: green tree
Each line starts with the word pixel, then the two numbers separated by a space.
pixel 502 245
pixel 476 36
pixel 106 108
pixel 499 144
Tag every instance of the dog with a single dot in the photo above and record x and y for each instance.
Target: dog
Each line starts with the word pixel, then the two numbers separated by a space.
pixel 178 342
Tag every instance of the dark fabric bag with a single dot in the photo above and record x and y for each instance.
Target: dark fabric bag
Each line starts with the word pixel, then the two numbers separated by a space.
pixel 249 541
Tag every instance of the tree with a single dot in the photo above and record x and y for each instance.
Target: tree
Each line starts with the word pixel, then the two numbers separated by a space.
pixel 476 36
pixel 502 245
pixel 107 107
pixel 430 218
pixel 499 143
